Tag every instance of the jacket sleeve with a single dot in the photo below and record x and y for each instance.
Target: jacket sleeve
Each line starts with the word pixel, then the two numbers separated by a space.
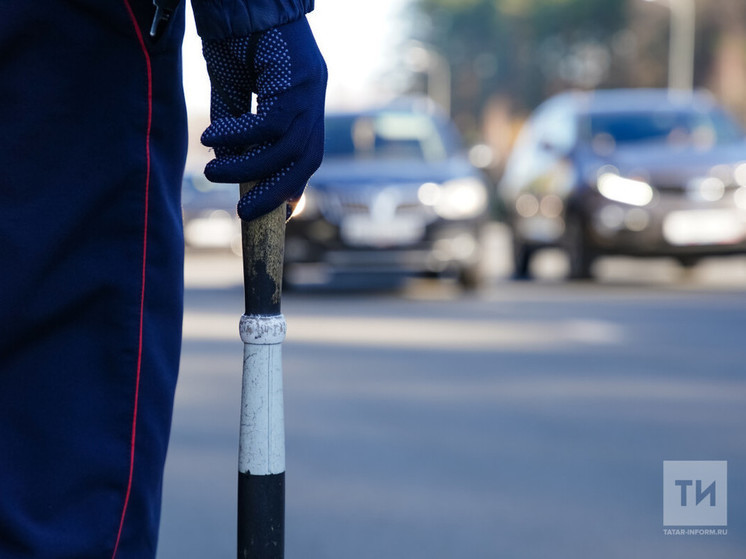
pixel 221 19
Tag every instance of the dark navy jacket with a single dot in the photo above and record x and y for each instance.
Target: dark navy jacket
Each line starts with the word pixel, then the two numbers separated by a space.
pixel 92 152
pixel 218 19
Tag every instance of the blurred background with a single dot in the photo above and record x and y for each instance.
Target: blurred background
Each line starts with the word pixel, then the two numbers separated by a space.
pixel 493 61
pixel 438 405
pixel 488 68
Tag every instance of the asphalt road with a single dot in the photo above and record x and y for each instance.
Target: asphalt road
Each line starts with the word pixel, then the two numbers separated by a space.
pixel 526 420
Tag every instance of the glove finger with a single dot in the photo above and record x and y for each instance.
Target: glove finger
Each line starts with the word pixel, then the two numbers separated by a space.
pixel 273 118
pixel 286 184
pixel 268 158
pixel 230 72
pixel 228 105
pixel 227 167
pixel 229 131
pixel 245 130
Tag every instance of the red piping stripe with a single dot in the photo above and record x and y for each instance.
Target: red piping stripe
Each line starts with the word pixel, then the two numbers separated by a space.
pixel 146 55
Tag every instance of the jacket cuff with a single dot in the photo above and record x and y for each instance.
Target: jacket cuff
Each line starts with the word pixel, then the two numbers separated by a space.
pixel 223 19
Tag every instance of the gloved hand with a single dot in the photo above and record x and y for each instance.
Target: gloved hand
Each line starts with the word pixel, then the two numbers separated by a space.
pixel 282 144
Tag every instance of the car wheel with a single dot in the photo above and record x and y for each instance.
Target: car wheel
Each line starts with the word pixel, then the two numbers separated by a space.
pixel 579 251
pixel 470 277
pixel 688 262
pixel 522 254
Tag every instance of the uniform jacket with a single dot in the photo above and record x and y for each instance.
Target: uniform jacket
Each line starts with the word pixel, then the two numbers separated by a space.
pixel 219 19
pixel 91 258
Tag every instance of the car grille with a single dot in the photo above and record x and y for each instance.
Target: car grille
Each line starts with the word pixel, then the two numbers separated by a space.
pixel 678 190
pixel 386 203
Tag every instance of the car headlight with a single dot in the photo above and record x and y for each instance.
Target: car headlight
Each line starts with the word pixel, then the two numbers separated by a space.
pixel 306 208
pixel 455 199
pixel 627 191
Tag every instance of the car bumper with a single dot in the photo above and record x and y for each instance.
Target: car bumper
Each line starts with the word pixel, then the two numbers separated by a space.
pixel 446 247
pixel 674 225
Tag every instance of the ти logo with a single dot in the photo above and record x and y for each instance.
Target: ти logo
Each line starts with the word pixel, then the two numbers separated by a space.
pixel 695 493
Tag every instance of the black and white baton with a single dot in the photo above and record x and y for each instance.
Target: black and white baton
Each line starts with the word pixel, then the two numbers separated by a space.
pixel 261 461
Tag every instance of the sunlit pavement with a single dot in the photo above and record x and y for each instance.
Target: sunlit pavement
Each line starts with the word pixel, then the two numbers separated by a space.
pixel 525 420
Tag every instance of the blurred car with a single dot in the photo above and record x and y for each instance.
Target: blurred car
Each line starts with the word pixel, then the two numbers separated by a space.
pixel 395 194
pixel 634 172
pixel 209 213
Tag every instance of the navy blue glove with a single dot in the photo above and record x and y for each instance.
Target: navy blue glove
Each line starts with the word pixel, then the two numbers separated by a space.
pixel 282 144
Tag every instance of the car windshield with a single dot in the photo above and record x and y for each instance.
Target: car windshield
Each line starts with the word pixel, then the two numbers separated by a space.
pixel 385 135
pixel 700 129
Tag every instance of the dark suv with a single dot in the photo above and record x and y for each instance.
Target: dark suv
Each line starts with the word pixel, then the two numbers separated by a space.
pixel 394 195
pixel 633 172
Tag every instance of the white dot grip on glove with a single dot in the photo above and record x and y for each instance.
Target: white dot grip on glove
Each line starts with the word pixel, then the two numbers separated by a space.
pixel 281 145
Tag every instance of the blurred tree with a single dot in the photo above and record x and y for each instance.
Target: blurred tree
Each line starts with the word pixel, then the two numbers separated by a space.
pixel 506 56
pixel 522 50
pixel 721 60
pixel 720 48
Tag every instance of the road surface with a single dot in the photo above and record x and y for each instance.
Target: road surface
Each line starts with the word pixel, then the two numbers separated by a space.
pixel 526 420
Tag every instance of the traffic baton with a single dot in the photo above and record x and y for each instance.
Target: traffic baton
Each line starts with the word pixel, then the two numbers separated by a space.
pixel 261 449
